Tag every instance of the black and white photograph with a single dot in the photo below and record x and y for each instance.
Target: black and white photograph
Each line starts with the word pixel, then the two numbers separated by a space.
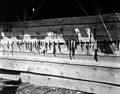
pixel 59 47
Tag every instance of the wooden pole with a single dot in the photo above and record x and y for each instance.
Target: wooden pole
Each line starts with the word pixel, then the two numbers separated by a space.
pixel 105 26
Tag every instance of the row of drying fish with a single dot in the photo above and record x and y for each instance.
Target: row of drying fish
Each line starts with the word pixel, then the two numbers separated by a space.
pixel 43 46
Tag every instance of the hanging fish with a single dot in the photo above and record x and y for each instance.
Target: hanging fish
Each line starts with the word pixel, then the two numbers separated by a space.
pixel 41 43
pixel 31 46
pixel 93 46
pixel 43 51
pixel 24 42
pixel 54 49
pixel 59 48
pixel 35 45
pixel 26 45
pixel 87 47
pixel 67 43
pixel 43 47
pixel 95 52
pixel 73 47
pixel 95 55
pixel 8 44
pixel 118 45
pixel 18 44
pixel 70 49
pixel 50 44
pixel 81 45
pixel 38 46
pixel 12 46
pixel 46 46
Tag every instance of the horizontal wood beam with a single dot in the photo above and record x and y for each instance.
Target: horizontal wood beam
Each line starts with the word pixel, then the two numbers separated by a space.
pixel 98 74
pixel 9 74
pixel 103 61
pixel 91 87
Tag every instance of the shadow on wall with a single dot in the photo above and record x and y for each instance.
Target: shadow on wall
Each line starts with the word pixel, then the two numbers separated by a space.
pixel 107 40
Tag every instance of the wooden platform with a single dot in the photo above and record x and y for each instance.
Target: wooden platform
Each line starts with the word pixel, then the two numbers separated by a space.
pixel 83 73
